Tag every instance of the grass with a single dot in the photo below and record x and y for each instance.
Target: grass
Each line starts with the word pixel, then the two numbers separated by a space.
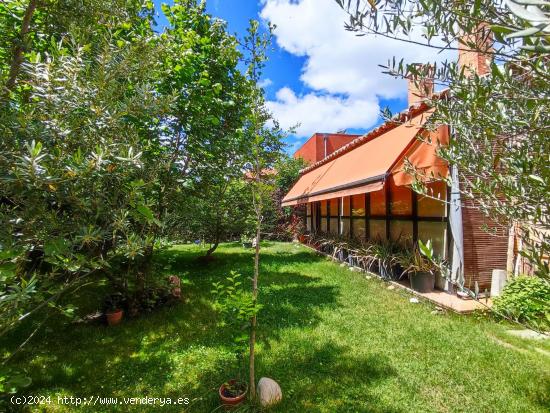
pixel 335 341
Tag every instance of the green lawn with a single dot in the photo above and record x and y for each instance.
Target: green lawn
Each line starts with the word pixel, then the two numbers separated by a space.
pixel 335 341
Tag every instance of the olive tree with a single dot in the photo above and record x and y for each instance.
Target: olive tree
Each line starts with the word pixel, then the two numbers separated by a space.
pixel 500 120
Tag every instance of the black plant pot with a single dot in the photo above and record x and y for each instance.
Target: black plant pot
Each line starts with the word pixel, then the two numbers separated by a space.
pixel 345 255
pixel 423 282
pixel 397 272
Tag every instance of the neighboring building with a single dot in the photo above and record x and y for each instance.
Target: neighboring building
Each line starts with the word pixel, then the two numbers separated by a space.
pixel 361 190
pixel 321 145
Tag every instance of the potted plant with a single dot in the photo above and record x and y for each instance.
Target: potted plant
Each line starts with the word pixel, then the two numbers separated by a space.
pixel 419 265
pixel 384 257
pixel 233 392
pixel 113 308
pixel 236 306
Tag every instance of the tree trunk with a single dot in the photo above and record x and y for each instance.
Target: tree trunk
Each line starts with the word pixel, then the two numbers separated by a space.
pixel 19 48
pixel 252 378
pixel 213 248
pixel 217 238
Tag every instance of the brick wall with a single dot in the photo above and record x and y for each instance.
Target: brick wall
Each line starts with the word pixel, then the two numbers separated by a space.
pixel 474 51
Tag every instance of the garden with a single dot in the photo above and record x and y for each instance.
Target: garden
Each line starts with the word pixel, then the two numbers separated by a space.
pixel 334 339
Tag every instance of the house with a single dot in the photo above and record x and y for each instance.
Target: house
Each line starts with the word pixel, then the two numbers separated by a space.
pixel 362 189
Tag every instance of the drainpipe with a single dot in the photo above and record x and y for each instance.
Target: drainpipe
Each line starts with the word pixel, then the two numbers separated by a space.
pixel 456 226
pixel 325 139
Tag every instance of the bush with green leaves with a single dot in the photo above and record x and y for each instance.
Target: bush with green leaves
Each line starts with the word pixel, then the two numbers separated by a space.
pixel 107 130
pixel 526 299
pixel 236 306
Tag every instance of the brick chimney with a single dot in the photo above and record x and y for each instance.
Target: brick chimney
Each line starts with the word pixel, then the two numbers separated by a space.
pixel 474 51
pixel 421 87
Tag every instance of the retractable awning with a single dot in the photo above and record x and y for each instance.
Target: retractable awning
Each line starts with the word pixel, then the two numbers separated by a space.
pixel 362 169
pixel 423 155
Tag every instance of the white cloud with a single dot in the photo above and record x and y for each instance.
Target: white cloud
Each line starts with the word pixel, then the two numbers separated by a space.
pixel 265 83
pixel 322 112
pixel 338 63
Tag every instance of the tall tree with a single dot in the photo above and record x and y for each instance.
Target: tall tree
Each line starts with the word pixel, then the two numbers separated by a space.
pixel 106 129
pixel 264 150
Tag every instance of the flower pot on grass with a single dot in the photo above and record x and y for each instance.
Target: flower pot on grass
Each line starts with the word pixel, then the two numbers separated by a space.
pixel 112 308
pixel 422 282
pixel 232 393
pixel 114 317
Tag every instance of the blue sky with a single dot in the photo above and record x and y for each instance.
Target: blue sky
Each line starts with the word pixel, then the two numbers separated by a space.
pixel 318 74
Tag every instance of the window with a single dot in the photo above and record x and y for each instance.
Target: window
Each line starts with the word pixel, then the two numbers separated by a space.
pixel 378 203
pixel 377 229
pixel 401 200
pixel 435 231
pixel 358 205
pixel 334 226
pixel 324 225
pixel 308 217
pixel 430 207
pixel 334 207
pixel 324 208
pixel 358 228
pixel 346 207
pixel 344 222
pixel 315 216
pixel 401 231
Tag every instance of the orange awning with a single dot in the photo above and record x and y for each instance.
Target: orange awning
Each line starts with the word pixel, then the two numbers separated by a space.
pixel 362 169
pixel 423 156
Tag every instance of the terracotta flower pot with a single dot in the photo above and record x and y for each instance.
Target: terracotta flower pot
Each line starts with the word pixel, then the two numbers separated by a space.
pixel 114 317
pixel 230 402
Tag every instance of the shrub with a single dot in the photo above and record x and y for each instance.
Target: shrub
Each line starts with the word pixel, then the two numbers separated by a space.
pixel 526 299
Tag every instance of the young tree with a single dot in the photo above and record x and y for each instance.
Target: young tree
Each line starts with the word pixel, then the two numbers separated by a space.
pixel 265 143
pixel 500 121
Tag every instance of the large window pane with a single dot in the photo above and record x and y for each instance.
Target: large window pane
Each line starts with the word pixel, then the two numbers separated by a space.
pixel 346 206
pixel 401 231
pixel 429 207
pixel 323 224
pixel 344 222
pixel 324 208
pixel 377 229
pixel 358 228
pixel 378 203
pixel 314 214
pixel 435 231
pixel 401 200
pixel 334 207
pixel 334 226
pixel 308 209
pixel 358 205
